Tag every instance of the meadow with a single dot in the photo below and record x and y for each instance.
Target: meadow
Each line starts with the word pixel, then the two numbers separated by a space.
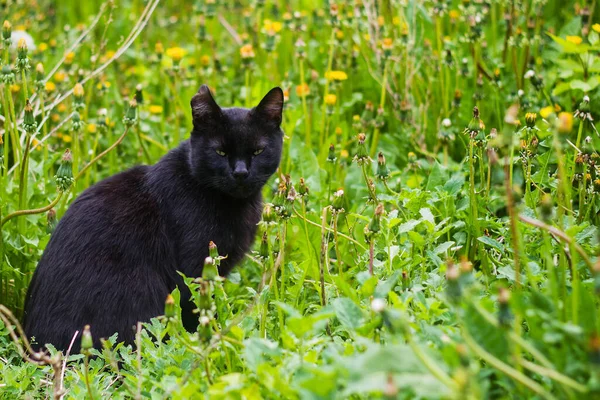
pixel 432 231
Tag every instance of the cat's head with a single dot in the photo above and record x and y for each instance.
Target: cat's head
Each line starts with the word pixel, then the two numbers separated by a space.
pixel 236 150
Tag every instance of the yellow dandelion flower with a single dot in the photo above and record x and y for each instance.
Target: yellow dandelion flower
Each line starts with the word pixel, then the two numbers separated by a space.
pixel 546 111
pixel 35 143
pixel 339 34
pixel 92 128
pixel 175 53
pixel 69 57
pixel 43 47
pixel 61 108
pixel 205 60
pixel 155 109
pixel 565 122
pixel 14 88
pixel 330 99
pixel 396 21
pixel 387 43
pixel 247 51
pixel 454 14
pixel 302 90
pixel 344 153
pixel 596 27
pixel 336 75
pixel 380 21
pixel 367 37
pixel 78 90
pixel 67 138
pixel 60 76
pixel 277 26
pixel 55 117
pixel 574 39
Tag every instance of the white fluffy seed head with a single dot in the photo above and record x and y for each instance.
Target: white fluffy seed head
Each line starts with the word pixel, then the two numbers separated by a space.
pixel 378 305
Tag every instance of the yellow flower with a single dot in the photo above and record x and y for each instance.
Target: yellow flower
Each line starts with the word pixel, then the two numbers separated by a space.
pixel 339 34
pixel 336 75
pixel 91 128
pixel 330 99
pixel 35 143
pixel 380 21
pixel 176 53
pixel 67 138
pixel 55 117
pixel 454 14
pixel 69 58
pixel 574 39
pixel 396 21
pixel 387 43
pixel 205 60
pixel 565 122
pixel 155 109
pixel 61 108
pixel 344 153
pixel 159 48
pixel 59 76
pixel 596 27
pixel 78 90
pixel 302 90
pixel 246 51
pixel 43 47
pixel 546 111
pixel 277 26
pixel 14 88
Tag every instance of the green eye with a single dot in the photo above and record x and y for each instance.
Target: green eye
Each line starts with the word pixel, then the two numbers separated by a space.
pixel 221 153
pixel 257 152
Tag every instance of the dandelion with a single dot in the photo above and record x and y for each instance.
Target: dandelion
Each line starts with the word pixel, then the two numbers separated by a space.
pixel 78 95
pixel 247 51
pixel 69 57
pixel 596 27
pixel 302 90
pixel 546 111
pixel 92 128
pixel 336 75
pixel 60 76
pixel 583 111
pixel 574 39
pixel 330 99
pixel 155 109
pixel 565 122
pixel 176 53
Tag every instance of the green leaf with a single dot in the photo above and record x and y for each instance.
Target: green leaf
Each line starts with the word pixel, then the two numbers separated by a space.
pixel 348 313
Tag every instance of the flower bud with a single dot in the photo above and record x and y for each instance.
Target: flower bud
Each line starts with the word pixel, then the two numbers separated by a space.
pixel 87 342
pixel 302 188
pixel 383 172
pixel 213 251
pixel 29 124
pixel 51 220
pixel 362 155
pixel 170 307
pixel 530 119
pixel 131 115
pixel 210 271
pixel 78 96
pixel 375 225
pixel 331 156
pixel 338 201
pixel 139 94
pixel 64 175
pixel 6 31
pixel 263 252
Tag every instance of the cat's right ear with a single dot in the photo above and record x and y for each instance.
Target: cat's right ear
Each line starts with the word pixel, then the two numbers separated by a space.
pixel 204 106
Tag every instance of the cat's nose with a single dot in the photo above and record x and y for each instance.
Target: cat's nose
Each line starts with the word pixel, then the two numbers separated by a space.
pixel 240 171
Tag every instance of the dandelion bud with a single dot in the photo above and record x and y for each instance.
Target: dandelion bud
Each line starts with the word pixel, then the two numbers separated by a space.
pixel 530 119
pixel 159 49
pixel 210 271
pixel 29 124
pixel 6 31
pixel 64 176
pixel 375 225
pixel 453 289
pixel 170 307
pixel 583 111
pixel 139 94
pixel 78 93
pixel 51 220
pixel 362 155
pixel 338 201
pixel 302 188
pixel 77 122
pixel 268 214
pixel 7 74
pixel 331 156
pixel 504 314
pixel 212 250
pixel 405 280
pixel 263 252
pixel 383 172
pixel 131 115
pixel 87 342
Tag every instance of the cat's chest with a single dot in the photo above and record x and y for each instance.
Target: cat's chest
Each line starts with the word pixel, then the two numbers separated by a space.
pixel 231 227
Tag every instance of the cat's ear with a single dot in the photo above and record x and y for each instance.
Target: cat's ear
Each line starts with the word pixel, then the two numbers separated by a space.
pixel 270 107
pixel 204 106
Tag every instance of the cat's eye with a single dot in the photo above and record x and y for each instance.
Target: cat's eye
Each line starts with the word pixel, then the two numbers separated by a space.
pixel 257 152
pixel 220 152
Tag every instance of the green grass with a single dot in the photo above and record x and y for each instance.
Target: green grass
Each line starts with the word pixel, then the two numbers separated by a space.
pixel 459 263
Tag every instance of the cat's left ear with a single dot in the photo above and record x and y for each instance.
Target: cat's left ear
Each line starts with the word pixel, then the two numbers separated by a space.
pixel 270 107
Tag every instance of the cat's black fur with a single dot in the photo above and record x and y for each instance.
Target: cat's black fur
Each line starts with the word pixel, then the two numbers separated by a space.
pixel 114 256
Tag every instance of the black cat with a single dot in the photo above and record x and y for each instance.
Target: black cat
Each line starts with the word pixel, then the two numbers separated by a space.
pixel 114 256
